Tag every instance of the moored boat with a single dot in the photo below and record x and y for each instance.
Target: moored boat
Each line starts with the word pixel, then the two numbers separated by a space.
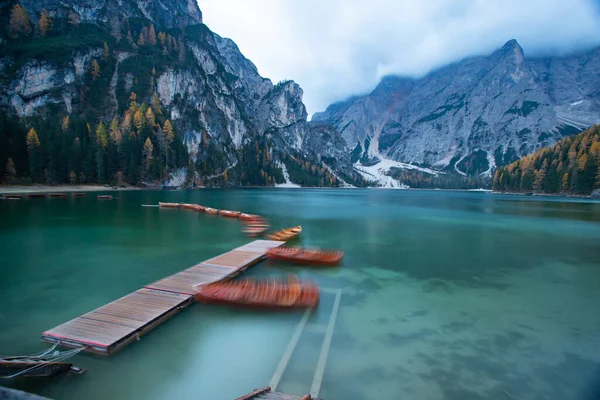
pixel 11 196
pixel 169 205
pixel 57 194
pixel 37 195
pixel 286 234
pixel 34 368
pixel 211 211
pixel 105 197
pixel 255 226
pixel 229 214
pixel 306 256
pixel 269 293
pixel 199 208
pixel 248 217
pixel 188 206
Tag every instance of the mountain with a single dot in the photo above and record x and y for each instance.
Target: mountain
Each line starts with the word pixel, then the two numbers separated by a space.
pixel 570 166
pixel 474 115
pixel 142 92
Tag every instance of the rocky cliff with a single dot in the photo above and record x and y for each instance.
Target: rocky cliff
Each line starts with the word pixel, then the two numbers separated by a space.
pixel 237 127
pixel 474 115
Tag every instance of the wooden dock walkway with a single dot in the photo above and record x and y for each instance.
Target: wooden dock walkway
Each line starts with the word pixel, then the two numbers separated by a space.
pixel 109 328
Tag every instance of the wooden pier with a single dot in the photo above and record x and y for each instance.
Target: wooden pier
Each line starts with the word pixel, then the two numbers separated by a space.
pixel 111 327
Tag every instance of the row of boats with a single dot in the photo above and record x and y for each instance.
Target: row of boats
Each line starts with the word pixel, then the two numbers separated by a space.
pixel 268 293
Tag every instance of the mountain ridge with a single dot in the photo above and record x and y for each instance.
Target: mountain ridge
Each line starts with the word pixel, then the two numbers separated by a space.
pixel 109 62
pixel 474 114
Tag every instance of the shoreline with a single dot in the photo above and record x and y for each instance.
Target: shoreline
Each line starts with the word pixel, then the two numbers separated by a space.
pixel 567 195
pixel 25 189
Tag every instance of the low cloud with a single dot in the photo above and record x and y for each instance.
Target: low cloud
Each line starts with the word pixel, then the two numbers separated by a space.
pixel 338 48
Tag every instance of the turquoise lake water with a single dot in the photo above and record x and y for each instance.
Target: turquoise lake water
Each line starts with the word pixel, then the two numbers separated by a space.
pixel 445 295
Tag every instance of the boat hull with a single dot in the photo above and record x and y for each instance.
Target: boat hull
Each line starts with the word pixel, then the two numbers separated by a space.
pixel 268 294
pixel 306 257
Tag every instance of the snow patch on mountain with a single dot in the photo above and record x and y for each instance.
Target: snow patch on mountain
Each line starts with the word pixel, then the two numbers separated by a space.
pixel 288 183
pixel 378 173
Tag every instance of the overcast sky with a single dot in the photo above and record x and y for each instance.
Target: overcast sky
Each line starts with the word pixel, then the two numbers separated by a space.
pixel 337 48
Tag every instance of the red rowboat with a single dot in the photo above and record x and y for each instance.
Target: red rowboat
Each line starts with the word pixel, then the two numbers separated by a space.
pixel 306 256
pixel 229 214
pixel 249 217
pixel 286 234
pixel 188 206
pixel 105 197
pixel 36 195
pixel 169 205
pixel 12 196
pixel 211 211
pixel 267 293
pixel 57 195
pixel 198 207
pixel 255 226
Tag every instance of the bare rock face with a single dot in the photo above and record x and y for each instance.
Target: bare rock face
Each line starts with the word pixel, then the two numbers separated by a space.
pixel 163 13
pixel 474 115
pixel 206 86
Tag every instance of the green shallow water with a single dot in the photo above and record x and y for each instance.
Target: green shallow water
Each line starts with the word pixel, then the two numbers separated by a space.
pixel 446 295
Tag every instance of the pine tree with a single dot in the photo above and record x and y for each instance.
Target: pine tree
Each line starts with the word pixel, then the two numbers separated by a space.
pixel 95 69
pixel 10 171
pixel 150 117
pixel 141 39
pixel 169 136
pixel 101 135
pixel 155 102
pixel 45 24
pixel 147 153
pixel 152 34
pixel 115 133
pixel 225 177
pixel 163 38
pixel 33 150
pixel 138 120
pixel 129 38
pixel 105 52
pixel 19 24
pixel 65 123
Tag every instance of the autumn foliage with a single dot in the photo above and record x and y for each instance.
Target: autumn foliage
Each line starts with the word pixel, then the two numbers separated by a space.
pixel 570 166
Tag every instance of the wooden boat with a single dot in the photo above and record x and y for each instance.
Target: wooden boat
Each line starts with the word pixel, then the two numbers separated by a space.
pixel 12 196
pixel 105 197
pixel 286 234
pixel 269 293
pixel 169 205
pixel 35 368
pixel 229 214
pixel 199 208
pixel 57 194
pixel 187 206
pixel 211 211
pixel 305 256
pixel 78 194
pixel 248 217
pixel 256 226
pixel 37 195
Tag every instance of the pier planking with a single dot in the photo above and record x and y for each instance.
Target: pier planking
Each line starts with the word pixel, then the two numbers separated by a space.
pixel 109 328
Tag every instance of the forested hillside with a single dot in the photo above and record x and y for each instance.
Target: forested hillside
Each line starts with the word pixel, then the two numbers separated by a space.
pixel 136 92
pixel 571 166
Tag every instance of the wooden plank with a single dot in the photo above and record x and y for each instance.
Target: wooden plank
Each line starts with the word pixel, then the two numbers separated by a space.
pixel 109 324
pixel 114 325
pixel 234 259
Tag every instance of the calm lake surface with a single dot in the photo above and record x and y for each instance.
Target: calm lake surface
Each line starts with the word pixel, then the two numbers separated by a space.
pixel 446 295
